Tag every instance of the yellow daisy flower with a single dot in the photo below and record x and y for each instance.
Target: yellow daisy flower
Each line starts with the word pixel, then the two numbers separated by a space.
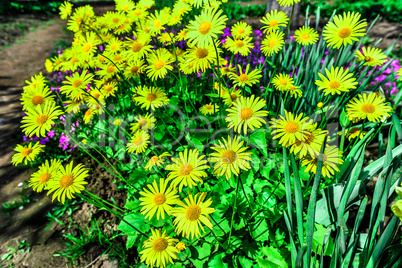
pixel 312 144
pixel 229 98
pixel 188 169
pixel 159 249
pixel 273 20
pixel 295 91
pixel 155 23
pixel 344 29
pixel 114 45
pixel 241 46
pixel 338 80
pixel 354 132
pixel 109 89
pixel 201 58
pixel 87 47
pixel 246 77
pixel 371 106
pixel 331 160
pixel 158 200
pixel 181 246
pixel 39 120
pixel 150 97
pixel 371 56
pixel 138 48
pixel 191 214
pixel 138 14
pixel 134 68
pixel 125 5
pixel 138 143
pixel 159 64
pixel 285 3
pixel 246 113
pixel 290 128
pixel 46 173
pixel 49 66
pixel 205 28
pixel 157 160
pixel 36 80
pixel 165 38
pixel 65 10
pixel 282 82
pixel 227 70
pixel 26 153
pixel 209 108
pixel 181 35
pixel 230 157
pixel 143 122
pixel 272 43
pixel 241 30
pixel 68 181
pixel 33 97
pixel 306 36
pixel 88 115
pixel 75 87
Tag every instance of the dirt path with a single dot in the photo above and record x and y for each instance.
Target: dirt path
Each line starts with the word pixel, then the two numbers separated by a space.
pixel 18 63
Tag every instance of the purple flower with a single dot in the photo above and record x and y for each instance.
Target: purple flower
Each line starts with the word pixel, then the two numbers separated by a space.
pixel 50 134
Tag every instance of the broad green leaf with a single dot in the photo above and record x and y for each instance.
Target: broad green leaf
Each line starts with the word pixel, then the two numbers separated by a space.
pixel 217 261
pixel 271 259
pixel 259 140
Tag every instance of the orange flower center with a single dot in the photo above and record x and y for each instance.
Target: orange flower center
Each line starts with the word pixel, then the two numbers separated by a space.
pixel 110 69
pixel 208 107
pixel 233 97
pixel 272 43
pixel 137 47
pixel 37 100
pixel 239 44
pixel 246 113
pixel 96 95
pixel 151 97
pixel 77 83
pixel 116 20
pixel 137 12
pixel 243 77
pixel 42 119
pixel 344 32
pixel 229 156
pixel 242 31
pixel 142 122
pixel 108 89
pixel 193 212
pixel 160 244
pixel 334 84
pixel 87 47
pixel 159 64
pixel 134 69
pixel 201 53
pixel 283 82
pixel 154 159
pixel 182 10
pixel 117 58
pixel 138 141
pixel 273 23
pixel 368 59
pixel 157 23
pixel 27 151
pixel 159 199
pixel 66 181
pixel 126 7
pixel 367 108
pixel 305 36
pixel 44 178
pixel 205 27
pixel 186 169
pixel 291 127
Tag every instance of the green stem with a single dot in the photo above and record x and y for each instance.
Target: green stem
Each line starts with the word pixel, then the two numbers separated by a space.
pixel 234 210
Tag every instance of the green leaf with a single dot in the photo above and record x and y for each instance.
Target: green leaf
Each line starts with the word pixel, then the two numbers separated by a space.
pixel 126 225
pixel 260 230
pixel 217 261
pixel 273 259
pixel 259 140
pixel 200 254
pixel 318 239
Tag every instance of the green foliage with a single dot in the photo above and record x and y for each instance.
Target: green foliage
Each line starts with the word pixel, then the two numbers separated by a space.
pixel 41 7
pixel 22 247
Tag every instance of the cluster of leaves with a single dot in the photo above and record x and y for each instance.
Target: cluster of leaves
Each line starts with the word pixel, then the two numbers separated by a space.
pixel 36 7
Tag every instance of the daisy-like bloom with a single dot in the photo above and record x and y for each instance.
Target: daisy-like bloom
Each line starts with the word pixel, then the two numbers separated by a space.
pixel 159 249
pixel 273 20
pixel 175 19
pixel 75 86
pixel 88 115
pixel 159 64
pixel 165 38
pixel 39 120
pixel 286 3
pixel 188 169
pixel 241 30
pixel 114 45
pixel 138 14
pixel 201 58
pixel 138 143
pixel 246 113
pixel 26 153
pixel 371 56
pixel 87 46
pixel 150 97
pixel 125 5
pixel 246 77
pixel 209 108
pixel 295 91
pixel 68 181
pixel 33 97
pixel 109 69
pixel 332 158
pixel 338 80
pixel 134 68
pixel 344 29
pixel 158 201
pixel 354 132
pixel 290 128
pixel 143 122
pixel 312 144
pixel 241 46
pixel 231 97
pixel 36 80
pixel 155 23
pixel 157 160
pixel 306 36
pixel 46 173
pixel 205 28
pixel 191 214
pixel 109 89
pixel 49 66
pixel 181 246
pixel 371 106
pixel 65 10
pixel 230 157
pixel 138 48
pixel 272 43
pixel 181 35
pixel 227 70
pixel 282 82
